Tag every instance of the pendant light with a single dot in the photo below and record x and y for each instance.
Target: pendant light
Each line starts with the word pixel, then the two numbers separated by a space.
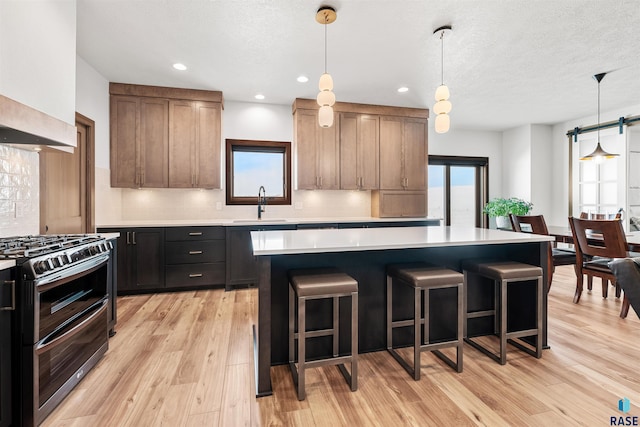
pixel 443 106
pixel 326 98
pixel 598 155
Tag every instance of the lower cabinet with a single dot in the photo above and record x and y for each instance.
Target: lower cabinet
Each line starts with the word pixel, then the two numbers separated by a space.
pixel 242 266
pixel 6 317
pixel 195 257
pixel 162 259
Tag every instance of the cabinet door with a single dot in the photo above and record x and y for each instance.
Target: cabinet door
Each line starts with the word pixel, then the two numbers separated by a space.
pixel 368 151
pixel 154 142
pixel 124 132
pixel 242 266
pixel 415 154
pixel 328 154
pixel 208 145
pixel 5 354
pixel 349 177
pixel 306 122
pixel 148 257
pixel 391 166
pixel 182 141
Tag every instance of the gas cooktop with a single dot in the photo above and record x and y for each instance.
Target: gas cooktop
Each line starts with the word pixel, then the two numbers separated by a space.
pixel 33 246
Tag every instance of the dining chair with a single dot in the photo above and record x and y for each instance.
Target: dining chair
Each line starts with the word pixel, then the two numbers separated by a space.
pixel 597 242
pixel 536 224
pixel 587 215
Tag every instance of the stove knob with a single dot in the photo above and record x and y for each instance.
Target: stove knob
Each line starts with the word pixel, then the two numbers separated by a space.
pixel 41 266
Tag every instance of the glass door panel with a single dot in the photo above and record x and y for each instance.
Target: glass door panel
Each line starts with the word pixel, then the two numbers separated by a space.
pixel 463 195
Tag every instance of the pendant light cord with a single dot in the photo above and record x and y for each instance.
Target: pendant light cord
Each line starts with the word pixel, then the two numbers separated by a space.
pixel 598 113
pixel 325 45
pixel 442 57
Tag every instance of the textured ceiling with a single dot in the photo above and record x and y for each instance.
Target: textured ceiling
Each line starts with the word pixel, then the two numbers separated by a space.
pixel 507 62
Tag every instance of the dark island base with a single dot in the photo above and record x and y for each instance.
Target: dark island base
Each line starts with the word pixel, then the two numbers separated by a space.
pixel 368 268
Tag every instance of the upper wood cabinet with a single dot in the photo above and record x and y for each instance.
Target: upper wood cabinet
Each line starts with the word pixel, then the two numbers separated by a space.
pixel 359 151
pixel 194 144
pixel 165 137
pixel 403 146
pixel 317 152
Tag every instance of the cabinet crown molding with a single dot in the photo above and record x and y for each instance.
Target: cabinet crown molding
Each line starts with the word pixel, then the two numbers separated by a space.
pixel 166 92
pixel 350 107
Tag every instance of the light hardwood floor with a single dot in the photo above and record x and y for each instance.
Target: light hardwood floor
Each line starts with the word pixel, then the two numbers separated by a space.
pixel 186 359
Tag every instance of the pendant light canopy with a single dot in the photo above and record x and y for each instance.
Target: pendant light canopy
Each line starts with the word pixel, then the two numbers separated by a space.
pixel 599 154
pixel 443 106
pixel 326 98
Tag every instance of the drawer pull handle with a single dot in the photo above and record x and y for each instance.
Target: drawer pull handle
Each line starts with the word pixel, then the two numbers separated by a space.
pixel 195 233
pixel 194 275
pixel 12 285
pixel 195 252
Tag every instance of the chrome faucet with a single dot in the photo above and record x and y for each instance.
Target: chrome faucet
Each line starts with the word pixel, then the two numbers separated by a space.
pixel 262 201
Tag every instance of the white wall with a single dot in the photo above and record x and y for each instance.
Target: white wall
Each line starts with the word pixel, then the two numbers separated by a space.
pixel 92 101
pixel 472 143
pixel 541 182
pixel 38 55
pixel 516 163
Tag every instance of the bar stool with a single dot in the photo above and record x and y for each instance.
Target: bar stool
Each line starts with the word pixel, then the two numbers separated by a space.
pixel 424 278
pixel 505 273
pixel 316 284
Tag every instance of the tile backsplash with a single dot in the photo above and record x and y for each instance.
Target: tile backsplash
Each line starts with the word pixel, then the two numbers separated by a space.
pixel 19 192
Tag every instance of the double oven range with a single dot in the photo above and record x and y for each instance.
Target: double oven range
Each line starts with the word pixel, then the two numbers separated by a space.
pixel 62 316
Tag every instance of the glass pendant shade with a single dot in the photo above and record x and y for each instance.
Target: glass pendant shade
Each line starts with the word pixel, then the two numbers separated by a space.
pixel 442 123
pixel 442 107
pixel 326 82
pixel 442 93
pixel 326 97
pixel 325 116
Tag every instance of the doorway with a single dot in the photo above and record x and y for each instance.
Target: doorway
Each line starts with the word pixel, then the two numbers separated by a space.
pixel 458 188
pixel 67 185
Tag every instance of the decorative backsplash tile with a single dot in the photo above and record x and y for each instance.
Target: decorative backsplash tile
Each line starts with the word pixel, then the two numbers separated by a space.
pixel 19 192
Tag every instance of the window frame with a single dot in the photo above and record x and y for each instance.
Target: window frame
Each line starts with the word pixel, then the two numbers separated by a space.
pixel 257 146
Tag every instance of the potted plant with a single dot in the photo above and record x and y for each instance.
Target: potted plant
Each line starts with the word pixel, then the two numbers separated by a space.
pixel 500 209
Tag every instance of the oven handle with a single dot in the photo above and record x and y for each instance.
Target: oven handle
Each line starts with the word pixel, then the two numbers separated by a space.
pixel 67 335
pixel 71 273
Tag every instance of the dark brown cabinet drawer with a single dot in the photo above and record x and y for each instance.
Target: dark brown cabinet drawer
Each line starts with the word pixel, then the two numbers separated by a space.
pixel 194 252
pixel 191 275
pixel 194 233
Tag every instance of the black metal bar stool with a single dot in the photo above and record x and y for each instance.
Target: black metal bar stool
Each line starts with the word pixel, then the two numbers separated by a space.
pixel 505 273
pixel 315 284
pixel 424 278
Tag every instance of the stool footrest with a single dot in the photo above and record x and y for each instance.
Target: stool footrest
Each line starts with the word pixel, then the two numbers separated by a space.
pixel 483 313
pixel 316 333
pixel 403 323
pixel 524 333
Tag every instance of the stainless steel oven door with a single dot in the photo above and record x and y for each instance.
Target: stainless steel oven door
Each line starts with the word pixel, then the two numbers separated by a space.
pixel 62 358
pixel 62 297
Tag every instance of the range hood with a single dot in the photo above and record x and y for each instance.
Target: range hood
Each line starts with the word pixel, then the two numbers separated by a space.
pixel 25 127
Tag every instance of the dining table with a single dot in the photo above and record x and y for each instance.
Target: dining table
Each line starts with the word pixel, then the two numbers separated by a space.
pixel 562 234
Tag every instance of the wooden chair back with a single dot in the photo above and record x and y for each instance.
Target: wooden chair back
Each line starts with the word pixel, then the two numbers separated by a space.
pixel 595 237
pixel 535 224
pixel 586 215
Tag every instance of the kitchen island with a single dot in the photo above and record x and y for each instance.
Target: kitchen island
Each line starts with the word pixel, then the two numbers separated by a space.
pixel 363 254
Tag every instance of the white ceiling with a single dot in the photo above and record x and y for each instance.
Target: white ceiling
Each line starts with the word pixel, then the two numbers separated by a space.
pixel 507 62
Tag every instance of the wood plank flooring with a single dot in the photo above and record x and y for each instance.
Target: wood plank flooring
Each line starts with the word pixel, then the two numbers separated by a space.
pixel 186 359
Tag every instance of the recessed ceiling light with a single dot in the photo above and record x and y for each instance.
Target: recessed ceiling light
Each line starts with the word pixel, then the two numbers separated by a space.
pixel 403 89
pixel 259 96
pixel 179 66
pixel 302 79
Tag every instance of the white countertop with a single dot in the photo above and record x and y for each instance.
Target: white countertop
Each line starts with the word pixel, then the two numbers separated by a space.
pixel 7 263
pixel 283 242
pixel 250 222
